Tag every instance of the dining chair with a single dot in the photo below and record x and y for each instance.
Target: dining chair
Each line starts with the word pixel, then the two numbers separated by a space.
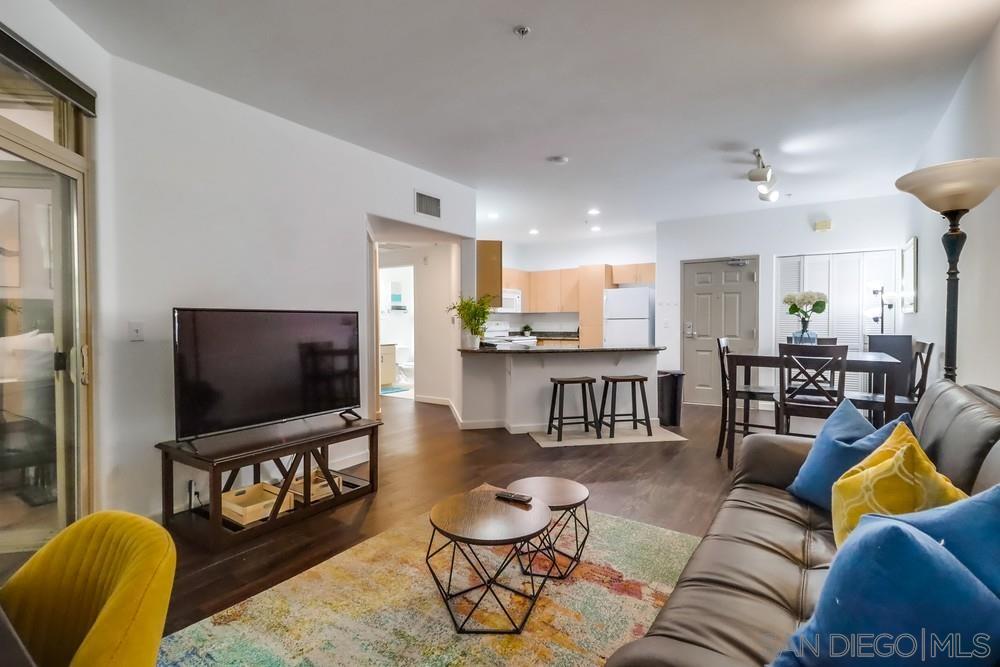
pixel 814 397
pixel 922 354
pixel 916 384
pixel 795 376
pixel 744 392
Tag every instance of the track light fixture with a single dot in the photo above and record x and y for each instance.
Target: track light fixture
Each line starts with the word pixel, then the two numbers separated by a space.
pixel 765 178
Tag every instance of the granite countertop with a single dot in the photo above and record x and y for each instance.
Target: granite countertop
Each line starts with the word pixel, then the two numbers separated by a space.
pixel 556 335
pixel 556 350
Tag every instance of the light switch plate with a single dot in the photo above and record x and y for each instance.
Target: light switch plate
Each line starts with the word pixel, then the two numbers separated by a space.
pixel 135 331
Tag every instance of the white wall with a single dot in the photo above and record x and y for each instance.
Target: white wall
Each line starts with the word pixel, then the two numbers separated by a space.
pixel 877 223
pixel 601 249
pixel 205 201
pixel 969 128
pixel 436 278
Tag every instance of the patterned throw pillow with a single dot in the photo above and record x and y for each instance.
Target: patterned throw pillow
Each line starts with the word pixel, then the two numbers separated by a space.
pixel 896 478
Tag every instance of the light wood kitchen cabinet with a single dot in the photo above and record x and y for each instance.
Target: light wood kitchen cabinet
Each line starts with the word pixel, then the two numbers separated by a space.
pixel 625 274
pixel 593 280
pixel 558 342
pixel 545 292
pixel 489 270
pixel 519 280
pixel 634 274
pixel 569 290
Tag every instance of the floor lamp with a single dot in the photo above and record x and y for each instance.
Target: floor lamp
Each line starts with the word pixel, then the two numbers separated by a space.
pixel 953 189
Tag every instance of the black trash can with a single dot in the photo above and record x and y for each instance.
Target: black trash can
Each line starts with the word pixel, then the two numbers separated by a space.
pixel 670 387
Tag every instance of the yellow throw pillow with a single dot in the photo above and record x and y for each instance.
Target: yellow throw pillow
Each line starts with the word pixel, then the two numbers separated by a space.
pixel 896 478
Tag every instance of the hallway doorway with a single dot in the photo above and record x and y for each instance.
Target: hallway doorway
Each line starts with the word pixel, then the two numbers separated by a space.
pixel 397 366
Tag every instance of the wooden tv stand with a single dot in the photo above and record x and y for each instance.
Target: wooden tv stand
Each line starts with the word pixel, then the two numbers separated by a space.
pixel 307 441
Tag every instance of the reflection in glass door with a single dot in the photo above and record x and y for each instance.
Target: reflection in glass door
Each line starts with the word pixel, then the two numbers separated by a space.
pixel 40 398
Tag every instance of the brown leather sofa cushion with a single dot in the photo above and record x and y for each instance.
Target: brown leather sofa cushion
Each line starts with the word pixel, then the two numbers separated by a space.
pixel 759 570
pixel 754 578
pixel 957 428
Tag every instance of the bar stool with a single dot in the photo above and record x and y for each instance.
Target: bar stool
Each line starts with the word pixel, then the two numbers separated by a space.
pixel 558 421
pixel 614 416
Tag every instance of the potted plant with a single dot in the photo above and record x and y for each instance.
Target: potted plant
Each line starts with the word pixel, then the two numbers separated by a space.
pixel 804 305
pixel 526 330
pixel 473 313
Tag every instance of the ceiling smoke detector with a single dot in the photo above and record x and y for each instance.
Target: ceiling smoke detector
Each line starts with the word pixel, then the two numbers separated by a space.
pixel 522 31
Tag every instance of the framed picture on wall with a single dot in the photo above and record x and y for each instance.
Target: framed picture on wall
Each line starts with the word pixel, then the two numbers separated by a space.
pixel 10 243
pixel 908 277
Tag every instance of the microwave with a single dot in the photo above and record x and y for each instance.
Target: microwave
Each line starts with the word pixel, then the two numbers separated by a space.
pixel 511 301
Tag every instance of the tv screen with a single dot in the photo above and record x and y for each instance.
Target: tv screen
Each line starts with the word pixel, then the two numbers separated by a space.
pixel 239 368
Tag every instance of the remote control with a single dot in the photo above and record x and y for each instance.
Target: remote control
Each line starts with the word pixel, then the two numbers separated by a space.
pixel 516 497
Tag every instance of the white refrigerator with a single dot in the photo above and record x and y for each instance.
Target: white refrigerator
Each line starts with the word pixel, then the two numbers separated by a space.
pixel 628 317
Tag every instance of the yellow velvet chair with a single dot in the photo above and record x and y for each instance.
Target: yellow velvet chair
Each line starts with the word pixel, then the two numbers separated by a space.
pixel 96 594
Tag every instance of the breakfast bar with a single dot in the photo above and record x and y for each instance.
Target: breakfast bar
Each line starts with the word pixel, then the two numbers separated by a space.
pixel 511 388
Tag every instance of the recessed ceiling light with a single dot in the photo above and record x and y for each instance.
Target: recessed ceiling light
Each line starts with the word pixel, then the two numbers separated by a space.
pixel 594 211
pixel 557 159
pixel 533 232
pixel 595 228
pixel 493 215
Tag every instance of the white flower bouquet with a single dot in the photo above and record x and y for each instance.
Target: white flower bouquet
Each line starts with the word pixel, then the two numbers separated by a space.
pixel 804 305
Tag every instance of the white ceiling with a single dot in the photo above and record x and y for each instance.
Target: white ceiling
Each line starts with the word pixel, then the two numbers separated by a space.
pixel 657 102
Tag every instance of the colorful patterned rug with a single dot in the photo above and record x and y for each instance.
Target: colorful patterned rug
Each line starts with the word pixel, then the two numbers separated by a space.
pixel 376 604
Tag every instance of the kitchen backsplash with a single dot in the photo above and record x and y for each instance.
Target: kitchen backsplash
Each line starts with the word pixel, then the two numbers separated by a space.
pixel 569 322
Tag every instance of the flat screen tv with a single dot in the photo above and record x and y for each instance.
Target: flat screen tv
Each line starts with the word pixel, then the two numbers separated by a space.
pixel 235 369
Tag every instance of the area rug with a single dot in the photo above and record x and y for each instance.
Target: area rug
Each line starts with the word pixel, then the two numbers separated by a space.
pixel 575 436
pixel 393 389
pixel 376 604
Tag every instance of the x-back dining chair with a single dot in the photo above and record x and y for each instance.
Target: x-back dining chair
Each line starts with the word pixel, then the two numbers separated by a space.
pixel 822 372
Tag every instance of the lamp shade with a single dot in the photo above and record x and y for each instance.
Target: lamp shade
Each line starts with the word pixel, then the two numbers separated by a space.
pixel 953 186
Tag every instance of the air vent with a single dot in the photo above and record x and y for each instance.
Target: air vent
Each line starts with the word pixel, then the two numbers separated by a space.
pixel 428 205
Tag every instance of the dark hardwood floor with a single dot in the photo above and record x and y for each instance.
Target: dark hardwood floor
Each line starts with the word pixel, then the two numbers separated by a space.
pixel 424 457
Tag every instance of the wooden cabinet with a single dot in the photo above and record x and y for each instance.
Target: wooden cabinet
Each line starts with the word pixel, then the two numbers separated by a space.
pixel 569 290
pixel 387 365
pixel 634 274
pixel 593 280
pixel 625 274
pixel 545 292
pixel 558 342
pixel 520 280
pixel 489 270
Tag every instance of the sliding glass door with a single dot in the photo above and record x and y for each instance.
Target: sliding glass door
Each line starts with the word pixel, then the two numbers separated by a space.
pixel 43 367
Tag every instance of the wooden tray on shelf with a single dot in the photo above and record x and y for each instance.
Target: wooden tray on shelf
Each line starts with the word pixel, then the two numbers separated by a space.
pixel 252 503
pixel 320 488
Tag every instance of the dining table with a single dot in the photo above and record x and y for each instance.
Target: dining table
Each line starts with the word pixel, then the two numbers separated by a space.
pixel 876 364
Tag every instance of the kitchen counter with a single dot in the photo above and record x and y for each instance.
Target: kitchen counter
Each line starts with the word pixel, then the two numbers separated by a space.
pixel 512 389
pixel 555 350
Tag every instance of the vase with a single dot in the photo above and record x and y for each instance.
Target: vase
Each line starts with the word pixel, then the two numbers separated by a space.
pixel 469 340
pixel 804 337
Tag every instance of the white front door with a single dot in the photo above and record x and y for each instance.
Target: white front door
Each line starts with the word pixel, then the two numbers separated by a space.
pixel 720 300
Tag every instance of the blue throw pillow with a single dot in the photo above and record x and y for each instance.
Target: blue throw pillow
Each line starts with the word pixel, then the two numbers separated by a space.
pixel 845 439
pixel 896 595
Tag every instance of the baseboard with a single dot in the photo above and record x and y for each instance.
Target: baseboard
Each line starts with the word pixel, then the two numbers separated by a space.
pixel 433 400
pixel 479 423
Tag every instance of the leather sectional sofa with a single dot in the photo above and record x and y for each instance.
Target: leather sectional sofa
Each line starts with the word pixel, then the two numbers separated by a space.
pixel 758 573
